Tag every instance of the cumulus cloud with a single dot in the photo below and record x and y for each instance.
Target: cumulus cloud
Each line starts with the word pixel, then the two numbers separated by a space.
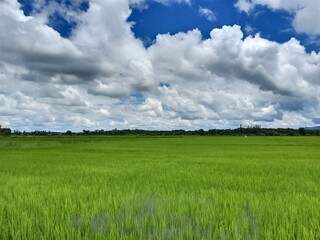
pixel 306 13
pixel 103 77
pixel 228 77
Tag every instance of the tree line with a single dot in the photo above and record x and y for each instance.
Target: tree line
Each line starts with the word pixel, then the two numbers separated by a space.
pixel 5 131
pixel 248 131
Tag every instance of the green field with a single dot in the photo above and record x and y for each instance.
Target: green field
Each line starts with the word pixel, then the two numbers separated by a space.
pixel 160 188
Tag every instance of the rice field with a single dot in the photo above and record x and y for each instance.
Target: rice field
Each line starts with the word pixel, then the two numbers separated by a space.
pixel 160 188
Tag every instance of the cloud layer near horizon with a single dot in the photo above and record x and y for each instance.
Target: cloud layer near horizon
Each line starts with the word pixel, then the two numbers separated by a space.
pixel 103 77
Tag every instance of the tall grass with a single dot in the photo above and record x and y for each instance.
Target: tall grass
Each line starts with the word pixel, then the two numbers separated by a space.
pixel 160 188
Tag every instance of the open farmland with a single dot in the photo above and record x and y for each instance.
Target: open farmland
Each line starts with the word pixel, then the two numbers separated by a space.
pixel 160 188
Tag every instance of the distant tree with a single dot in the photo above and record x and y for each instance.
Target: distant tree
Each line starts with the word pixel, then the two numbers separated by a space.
pixel 85 132
pixel 302 132
pixel 200 132
pixel 16 132
pixel 5 131
pixel 68 132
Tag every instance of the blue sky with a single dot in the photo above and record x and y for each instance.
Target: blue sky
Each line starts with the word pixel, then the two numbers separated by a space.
pixel 159 64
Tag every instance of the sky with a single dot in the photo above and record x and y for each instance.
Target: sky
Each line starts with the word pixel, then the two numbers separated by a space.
pixel 159 64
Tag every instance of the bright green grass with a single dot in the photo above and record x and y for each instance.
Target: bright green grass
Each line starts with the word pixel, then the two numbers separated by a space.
pixel 160 188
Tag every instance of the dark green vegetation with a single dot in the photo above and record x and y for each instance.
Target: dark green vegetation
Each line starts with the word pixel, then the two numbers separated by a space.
pixel 250 131
pixel 5 131
pixel 160 188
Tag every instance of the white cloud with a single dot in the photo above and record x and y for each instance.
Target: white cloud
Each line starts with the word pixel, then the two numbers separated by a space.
pixel 234 78
pixel 144 4
pixel 168 2
pixel 208 14
pixel 306 12
pixel 249 29
pixel 307 20
pixel 244 5
pixel 92 79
